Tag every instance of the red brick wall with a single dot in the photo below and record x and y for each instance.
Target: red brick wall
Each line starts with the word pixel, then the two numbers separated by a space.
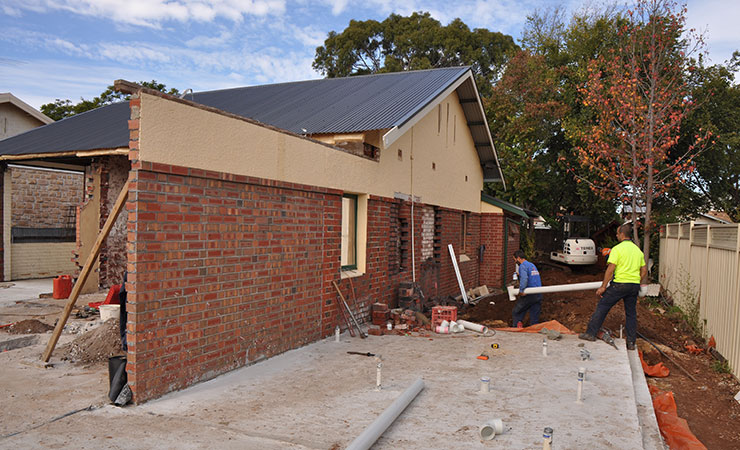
pixel 113 175
pixel 41 198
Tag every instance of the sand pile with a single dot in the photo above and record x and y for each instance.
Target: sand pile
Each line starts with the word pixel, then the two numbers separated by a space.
pixel 29 326
pixel 94 346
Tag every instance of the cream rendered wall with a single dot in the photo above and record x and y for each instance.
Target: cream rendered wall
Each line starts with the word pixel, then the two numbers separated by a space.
pixel 488 208
pixel 14 121
pixel 175 133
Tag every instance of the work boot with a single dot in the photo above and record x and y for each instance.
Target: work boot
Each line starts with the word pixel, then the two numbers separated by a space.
pixel 587 337
pixel 630 345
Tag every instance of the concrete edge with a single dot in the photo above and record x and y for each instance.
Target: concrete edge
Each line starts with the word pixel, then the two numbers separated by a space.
pixel 15 342
pixel 651 438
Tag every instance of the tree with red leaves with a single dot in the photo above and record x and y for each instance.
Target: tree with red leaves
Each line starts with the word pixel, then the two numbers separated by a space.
pixel 638 94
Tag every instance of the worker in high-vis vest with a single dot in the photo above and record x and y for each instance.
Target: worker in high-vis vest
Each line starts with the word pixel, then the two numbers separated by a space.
pixel 625 272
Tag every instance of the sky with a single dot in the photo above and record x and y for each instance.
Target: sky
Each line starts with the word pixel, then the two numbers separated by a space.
pixel 73 49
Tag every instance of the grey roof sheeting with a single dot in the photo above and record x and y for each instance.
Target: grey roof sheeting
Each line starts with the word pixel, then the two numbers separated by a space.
pixel 332 105
pixel 102 128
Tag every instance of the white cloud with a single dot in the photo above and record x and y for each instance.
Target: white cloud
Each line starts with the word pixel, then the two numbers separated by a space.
pixel 310 36
pixel 210 41
pixel 151 13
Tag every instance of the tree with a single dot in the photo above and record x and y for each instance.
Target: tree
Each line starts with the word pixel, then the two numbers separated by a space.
pixel 638 95
pixel 716 181
pixel 411 43
pixel 60 109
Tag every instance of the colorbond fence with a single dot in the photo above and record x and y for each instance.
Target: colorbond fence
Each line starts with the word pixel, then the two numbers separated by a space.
pixel 702 263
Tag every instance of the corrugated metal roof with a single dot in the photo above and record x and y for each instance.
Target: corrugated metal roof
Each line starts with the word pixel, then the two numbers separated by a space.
pixel 102 128
pixel 336 105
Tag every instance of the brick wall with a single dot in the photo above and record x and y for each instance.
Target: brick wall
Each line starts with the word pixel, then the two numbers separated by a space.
pixel 493 229
pixel 44 198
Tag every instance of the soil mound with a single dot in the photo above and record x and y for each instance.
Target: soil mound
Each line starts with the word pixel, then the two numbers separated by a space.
pixel 29 326
pixel 94 346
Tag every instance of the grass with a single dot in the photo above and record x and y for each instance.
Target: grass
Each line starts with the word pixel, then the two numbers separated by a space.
pixel 721 366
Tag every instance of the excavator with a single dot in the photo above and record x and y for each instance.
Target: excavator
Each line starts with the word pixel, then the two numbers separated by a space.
pixel 578 248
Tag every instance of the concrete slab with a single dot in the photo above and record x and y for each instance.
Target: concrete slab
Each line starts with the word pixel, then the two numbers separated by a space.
pixel 13 291
pixel 651 438
pixel 320 397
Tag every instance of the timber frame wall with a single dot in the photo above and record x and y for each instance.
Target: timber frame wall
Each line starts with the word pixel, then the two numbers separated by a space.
pixel 702 262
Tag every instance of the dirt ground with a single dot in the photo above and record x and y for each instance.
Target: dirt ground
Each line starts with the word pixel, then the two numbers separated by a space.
pixel 707 403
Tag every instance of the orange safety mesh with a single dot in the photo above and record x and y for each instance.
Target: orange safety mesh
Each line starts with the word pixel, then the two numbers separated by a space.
pixel 674 429
pixel 550 325
pixel 658 370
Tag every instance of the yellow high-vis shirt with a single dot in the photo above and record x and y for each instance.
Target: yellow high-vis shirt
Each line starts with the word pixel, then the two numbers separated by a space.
pixel 629 259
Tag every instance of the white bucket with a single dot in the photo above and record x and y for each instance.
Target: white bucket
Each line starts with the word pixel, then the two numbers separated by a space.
pixel 109 312
pixel 490 429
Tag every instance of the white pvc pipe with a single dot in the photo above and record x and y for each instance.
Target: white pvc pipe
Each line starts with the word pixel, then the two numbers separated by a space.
pixel 581 377
pixel 473 326
pixel 490 429
pixel 554 288
pixel 371 434
pixel 457 273
pixel 378 377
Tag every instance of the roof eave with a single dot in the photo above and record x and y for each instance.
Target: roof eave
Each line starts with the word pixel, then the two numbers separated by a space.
pixel 25 107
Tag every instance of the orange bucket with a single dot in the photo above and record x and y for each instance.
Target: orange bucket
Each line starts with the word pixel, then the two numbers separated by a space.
pixel 62 286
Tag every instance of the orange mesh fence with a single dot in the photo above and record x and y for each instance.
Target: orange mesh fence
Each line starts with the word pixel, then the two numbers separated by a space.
pixel 658 370
pixel 674 429
pixel 550 325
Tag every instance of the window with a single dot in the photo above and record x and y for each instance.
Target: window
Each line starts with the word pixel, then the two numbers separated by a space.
pixel 349 232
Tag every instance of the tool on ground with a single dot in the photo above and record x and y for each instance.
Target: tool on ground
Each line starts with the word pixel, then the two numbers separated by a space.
pixel 351 315
pixel 494 346
pixel 585 354
pixel 361 354
pixel 605 336
pixel 667 357
pixel 483 357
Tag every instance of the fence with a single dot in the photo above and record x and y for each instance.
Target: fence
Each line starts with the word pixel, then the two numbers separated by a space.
pixel 701 263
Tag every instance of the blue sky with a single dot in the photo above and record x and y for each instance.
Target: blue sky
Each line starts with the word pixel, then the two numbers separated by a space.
pixel 76 48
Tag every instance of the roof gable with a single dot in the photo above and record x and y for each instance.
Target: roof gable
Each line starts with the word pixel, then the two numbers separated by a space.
pixel 7 97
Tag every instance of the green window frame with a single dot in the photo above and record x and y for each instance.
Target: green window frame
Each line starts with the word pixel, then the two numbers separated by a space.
pixel 349 232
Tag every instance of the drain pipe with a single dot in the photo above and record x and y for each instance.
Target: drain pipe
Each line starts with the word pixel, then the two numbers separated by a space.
pixel 555 288
pixel 581 377
pixel 371 434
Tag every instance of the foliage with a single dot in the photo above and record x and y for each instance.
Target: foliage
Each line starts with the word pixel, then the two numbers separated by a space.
pixel 638 95
pixel 716 182
pixel 690 304
pixel 60 109
pixel 530 108
pixel 721 366
pixel 411 43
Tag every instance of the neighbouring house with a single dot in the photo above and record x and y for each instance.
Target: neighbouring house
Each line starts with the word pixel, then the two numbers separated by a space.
pixel 38 205
pixel 245 204
pixel 713 218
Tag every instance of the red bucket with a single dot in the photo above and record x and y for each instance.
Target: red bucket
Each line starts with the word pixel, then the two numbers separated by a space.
pixel 62 286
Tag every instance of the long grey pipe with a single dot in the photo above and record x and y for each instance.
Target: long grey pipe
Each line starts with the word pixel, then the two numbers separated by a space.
pixel 371 434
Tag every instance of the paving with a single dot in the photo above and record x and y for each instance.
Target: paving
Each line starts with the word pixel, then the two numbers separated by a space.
pixel 320 397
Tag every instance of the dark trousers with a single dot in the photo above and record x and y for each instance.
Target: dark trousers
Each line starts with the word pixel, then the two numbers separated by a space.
pixel 531 303
pixel 613 294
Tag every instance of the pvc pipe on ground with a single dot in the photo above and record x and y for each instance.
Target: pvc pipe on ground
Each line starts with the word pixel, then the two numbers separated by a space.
pixel 473 326
pixel 554 288
pixel 581 377
pixel 371 434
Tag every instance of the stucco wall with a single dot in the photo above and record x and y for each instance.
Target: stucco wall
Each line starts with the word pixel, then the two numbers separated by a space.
pixel 446 168
pixel 14 121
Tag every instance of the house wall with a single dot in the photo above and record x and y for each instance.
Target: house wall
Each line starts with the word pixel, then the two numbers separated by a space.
pixel 14 121
pixel 42 197
pixel 41 259
pixel 226 269
pixel 446 169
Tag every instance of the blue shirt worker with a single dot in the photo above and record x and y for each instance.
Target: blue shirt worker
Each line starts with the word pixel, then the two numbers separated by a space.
pixel 625 272
pixel 529 277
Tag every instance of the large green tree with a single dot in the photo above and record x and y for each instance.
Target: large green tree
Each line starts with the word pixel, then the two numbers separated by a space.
pixel 59 109
pixel 411 43
pixel 715 184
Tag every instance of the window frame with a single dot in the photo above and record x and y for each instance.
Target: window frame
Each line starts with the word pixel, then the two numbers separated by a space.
pixel 354 241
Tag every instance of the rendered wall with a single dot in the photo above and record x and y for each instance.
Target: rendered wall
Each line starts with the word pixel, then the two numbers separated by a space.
pixel 446 168
pixel 14 121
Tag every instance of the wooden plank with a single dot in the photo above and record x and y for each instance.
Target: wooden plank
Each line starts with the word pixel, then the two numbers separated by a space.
pixel 117 207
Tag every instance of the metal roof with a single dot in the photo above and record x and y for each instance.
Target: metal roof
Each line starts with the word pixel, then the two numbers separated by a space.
pixel 391 101
pixel 506 206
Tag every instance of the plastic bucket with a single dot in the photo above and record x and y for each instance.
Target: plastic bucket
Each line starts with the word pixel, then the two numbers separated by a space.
pixel 109 312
